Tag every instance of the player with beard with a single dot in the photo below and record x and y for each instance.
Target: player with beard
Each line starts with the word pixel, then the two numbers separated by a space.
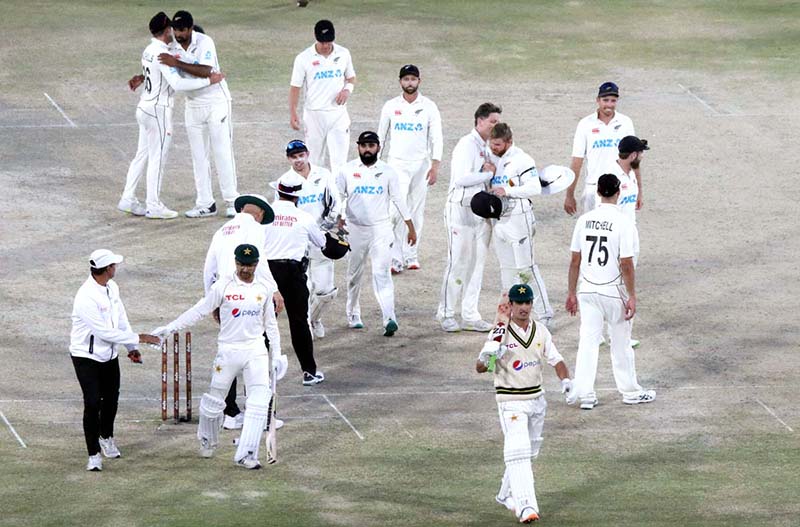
pixel 368 187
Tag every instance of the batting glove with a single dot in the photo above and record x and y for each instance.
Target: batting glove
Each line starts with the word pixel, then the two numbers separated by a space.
pixel 566 389
pixel 279 365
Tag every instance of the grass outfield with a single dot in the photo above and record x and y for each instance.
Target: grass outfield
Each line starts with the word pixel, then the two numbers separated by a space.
pixel 403 432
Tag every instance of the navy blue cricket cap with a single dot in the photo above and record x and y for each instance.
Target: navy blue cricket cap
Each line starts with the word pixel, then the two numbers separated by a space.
pixel 246 254
pixel 607 185
pixel 182 20
pixel 324 31
pixel 608 88
pixel 294 146
pixel 630 144
pixel 159 23
pixel 368 137
pixel 409 69
pixel 486 205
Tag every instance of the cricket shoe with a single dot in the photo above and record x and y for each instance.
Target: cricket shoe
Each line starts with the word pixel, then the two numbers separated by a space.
pixel 589 403
pixel 635 343
pixel 206 448
pixel 412 264
pixel 160 212
pixel 354 322
pixel 235 422
pixel 230 211
pixel 278 424
pixel 317 329
pixel 202 212
pixel 390 328
pixel 397 267
pixel 450 325
pixel 249 462
pixel 645 396
pixel 95 463
pixel 507 502
pixel 109 448
pixel 311 380
pixel 480 326
pixel 132 206
pixel 528 515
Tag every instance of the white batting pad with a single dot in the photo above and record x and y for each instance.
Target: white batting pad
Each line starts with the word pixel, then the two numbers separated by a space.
pixel 520 478
pixel 210 418
pixel 255 417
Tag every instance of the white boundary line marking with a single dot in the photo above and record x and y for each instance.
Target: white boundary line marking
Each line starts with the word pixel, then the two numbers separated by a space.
pixel 16 435
pixel 768 409
pixel 73 125
pixel 403 428
pixel 361 437
pixel 701 101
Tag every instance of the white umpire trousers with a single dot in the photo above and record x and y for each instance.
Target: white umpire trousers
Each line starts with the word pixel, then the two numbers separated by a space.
pixel 468 238
pixel 412 176
pixel 512 239
pixel 604 304
pixel 331 129
pixel 155 138
pixel 210 131
pixel 374 241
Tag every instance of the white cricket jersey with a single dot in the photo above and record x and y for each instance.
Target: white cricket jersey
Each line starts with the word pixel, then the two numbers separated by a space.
pixel 597 142
pixel 466 178
pixel 220 259
pixel 99 322
pixel 368 191
pixel 603 236
pixel 628 191
pixel 323 77
pixel 161 81
pixel 245 312
pixel 287 237
pixel 414 128
pixel 516 173
pixel 202 51
pixel 318 194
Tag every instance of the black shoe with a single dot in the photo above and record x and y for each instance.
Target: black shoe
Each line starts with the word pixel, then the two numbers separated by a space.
pixel 310 380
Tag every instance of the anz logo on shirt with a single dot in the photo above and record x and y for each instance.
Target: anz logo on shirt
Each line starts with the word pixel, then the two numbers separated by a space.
pixel 370 190
pixel 499 180
pixel 408 127
pixel 328 74
pixel 311 198
pixel 628 199
pixel 605 143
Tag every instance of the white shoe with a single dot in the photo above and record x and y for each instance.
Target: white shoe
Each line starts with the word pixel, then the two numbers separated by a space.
pixel 206 448
pixel 230 211
pixel 311 380
pixel 589 403
pixel 278 424
pixel 645 396
pixel 95 463
pixel 132 206
pixel 507 502
pixel 635 343
pixel 249 462
pixel 233 422
pixel 318 329
pixel 450 325
pixel 397 267
pixel 109 448
pixel 528 515
pixel 412 264
pixel 161 212
pixel 480 326
pixel 202 212
pixel 354 322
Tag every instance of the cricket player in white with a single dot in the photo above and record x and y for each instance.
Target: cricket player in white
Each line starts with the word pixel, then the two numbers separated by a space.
pixel 603 244
pixel 596 140
pixel 320 198
pixel 369 187
pixel 413 126
pixel 208 117
pixel 468 236
pixel 517 352
pixel 516 181
pixel 154 115
pixel 326 71
pixel 246 312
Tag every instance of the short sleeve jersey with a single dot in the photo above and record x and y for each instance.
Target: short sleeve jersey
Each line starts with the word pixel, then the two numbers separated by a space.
pixel 414 129
pixel 323 77
pixel 603 236
pixel 597 142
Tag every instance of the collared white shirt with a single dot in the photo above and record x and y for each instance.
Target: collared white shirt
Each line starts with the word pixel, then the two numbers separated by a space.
pixel 288 236
pixel 201 50
pixel 597 142
pixel 319 193
pixel 368 192
pixel 603 236
pixel 160 80
pixel 628 191
pixel 414 128
pixel 323 77
pixel 99 322
pixel 220 258
pixel 466 178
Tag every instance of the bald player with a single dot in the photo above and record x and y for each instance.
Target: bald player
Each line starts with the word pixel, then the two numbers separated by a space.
pixel 326 71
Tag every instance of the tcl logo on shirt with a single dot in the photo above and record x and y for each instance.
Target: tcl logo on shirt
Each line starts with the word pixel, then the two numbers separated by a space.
pixel 234 297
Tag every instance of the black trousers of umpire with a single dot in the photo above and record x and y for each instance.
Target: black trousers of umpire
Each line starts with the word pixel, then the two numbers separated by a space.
pixel 290 275
pixel 100 385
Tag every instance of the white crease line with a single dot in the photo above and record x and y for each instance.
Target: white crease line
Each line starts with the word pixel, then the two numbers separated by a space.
pixel 21 442
pixel 701 101
pixel 361 437
pixel 403 428
pixel 768 409
pixel 73 125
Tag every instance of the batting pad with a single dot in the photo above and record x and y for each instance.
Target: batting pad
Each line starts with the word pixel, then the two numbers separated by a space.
pixel 210 418
pixel 255 416
pixel 520 478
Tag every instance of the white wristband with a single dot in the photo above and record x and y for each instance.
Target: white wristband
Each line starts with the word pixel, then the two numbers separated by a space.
pixel 349 87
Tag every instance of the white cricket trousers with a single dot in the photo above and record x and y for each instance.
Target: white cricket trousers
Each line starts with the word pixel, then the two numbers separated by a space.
pixel 210 131
pixel 155 138
pixel 412 176
pixel 251 360
pixel 468 238
pixel 331 129
pixel 512 239
pixel 604 304
pixel 374 241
